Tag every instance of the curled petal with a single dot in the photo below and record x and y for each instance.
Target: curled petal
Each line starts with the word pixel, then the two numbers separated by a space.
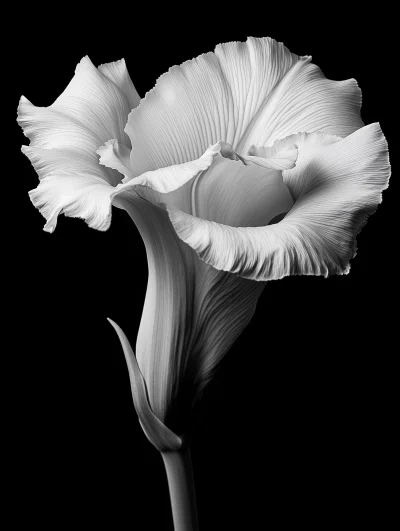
pixel 77 196
pixel 116 156
pixel 214 187
pixel 72 184
pixel 64 139
pixel 228 152
pixel 165 180
pixel 280 156
pixel 299 181
pixel 118 73
pixel 242 94
pixel 91 110
pixel 307 147
pixel 317 237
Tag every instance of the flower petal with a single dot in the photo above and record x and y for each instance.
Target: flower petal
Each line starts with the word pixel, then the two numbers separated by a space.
pixel 305 101
pixel 307 147
pixel 191 316
pixel 116 156
pixel 76 195
pixel 119 74
pixel 236 194
pixel 214 187
pixel 280 156
pixel 64 139
pixel 168 179
pixel 165 313
pixel 317 237
pixel 91 110
pixel 243 94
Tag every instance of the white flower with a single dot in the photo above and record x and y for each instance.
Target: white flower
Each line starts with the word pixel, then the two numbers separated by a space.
pixel 223 145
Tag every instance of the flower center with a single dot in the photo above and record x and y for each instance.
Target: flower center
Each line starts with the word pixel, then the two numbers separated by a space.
pixel 239 194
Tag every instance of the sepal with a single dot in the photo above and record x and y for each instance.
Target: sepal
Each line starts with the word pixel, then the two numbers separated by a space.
pixel 158 434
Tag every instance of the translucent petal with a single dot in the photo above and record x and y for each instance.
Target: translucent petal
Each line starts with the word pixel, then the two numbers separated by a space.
pixel 118 73
pixel 64 139
pixel 116 156
pixel 282 155
pixel 343 183
pixel 305 101
pixel 243 94
pixel 92 109
pixel 165 180
pixel 76 195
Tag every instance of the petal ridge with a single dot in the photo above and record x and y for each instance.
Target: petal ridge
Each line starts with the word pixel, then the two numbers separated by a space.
pixel 318 235
pixel 242 94
pixel 64 138
pixel 118 73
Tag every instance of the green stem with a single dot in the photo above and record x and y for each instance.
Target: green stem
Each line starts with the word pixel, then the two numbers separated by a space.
pixel 178 466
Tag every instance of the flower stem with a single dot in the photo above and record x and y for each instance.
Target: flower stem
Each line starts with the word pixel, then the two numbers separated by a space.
pixel 178 466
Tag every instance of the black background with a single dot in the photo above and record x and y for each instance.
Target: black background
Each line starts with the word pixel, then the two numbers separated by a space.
pixel 296 428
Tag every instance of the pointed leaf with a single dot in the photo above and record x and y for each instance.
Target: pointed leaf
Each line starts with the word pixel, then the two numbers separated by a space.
pixel 157 433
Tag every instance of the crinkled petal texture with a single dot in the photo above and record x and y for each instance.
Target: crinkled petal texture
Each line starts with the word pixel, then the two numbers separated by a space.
pixel 336 184
pixel 282 155
pixel 243 94
pixel 65 136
